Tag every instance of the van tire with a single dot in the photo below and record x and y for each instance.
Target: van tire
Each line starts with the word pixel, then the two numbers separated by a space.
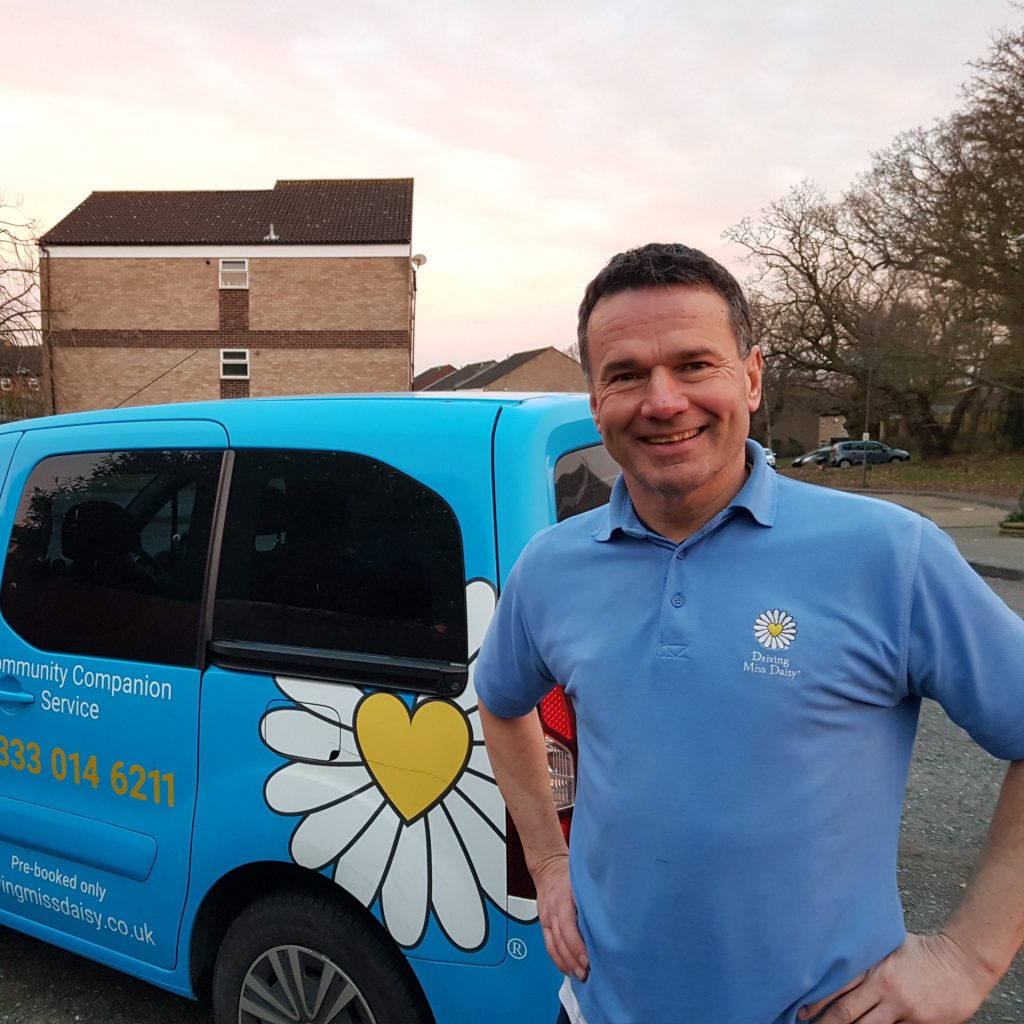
pixel 845 463
pixel 311 935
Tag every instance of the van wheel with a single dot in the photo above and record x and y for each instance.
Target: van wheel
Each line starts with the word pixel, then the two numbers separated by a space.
pixel 294 958
pixel 845 463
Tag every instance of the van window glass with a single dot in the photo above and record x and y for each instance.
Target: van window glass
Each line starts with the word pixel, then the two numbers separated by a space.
pixel 583 480
pixel 340 552
pixel 108 554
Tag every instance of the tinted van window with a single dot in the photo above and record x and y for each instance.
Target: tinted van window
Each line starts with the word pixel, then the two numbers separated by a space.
pixel 108 554
pixel 583 480
pixel 339 552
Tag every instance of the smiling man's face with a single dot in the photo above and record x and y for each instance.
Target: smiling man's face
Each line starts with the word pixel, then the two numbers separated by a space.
pixel 672 397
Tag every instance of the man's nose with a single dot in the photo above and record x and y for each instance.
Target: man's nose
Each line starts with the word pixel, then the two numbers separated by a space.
pixel 664 396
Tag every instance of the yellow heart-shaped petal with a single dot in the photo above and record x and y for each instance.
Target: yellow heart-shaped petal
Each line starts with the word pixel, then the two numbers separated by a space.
pixel 775 628
pixel 415 756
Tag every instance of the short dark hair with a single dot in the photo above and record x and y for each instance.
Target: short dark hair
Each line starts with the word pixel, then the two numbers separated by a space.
pixel 661 265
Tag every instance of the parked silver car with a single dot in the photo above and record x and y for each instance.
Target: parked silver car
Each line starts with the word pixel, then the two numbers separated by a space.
pixel 851 453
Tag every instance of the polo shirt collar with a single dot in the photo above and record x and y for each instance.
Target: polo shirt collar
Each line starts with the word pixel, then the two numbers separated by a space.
pixel 758 496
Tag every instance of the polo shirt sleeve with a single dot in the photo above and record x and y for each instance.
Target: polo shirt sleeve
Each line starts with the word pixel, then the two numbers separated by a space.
pixel 966 648
pixel 511 677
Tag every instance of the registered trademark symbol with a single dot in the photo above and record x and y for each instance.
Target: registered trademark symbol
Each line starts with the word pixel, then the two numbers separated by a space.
pixel 517 949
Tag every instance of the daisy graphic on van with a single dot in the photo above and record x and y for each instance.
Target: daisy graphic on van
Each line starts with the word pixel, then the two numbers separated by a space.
pixel 396 797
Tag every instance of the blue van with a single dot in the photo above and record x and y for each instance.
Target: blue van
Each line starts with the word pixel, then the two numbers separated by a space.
pixel 240 753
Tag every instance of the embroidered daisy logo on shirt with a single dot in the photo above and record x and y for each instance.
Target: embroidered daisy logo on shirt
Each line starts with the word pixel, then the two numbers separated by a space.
pixel 396 798
pixel 775 629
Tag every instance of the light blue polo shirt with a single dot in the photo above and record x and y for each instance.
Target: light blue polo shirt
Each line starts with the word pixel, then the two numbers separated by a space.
pixel 746 704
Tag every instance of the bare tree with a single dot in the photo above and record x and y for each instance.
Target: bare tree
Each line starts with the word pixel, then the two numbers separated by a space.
pixel 946 202
pixel 851 325
pixel 572 351
pixel 19 278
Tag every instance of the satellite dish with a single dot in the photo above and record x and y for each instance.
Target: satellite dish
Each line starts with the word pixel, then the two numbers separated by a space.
pixel 418 260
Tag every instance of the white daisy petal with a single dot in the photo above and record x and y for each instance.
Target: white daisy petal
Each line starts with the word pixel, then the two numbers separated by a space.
pixel 480 602
pixel 480 762
pixel 322 835
pixel 303 735
pixel 361 866
pixel 485 795
pixel 475 725
pixel 297 788
pixel 468 699
pixel 403 898
pixel 485 846
pixel 343 699
pixel 457 901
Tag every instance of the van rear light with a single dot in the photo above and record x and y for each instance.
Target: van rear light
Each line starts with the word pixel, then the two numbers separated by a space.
pixel 562 771
pixel 556 715
pixel 558 720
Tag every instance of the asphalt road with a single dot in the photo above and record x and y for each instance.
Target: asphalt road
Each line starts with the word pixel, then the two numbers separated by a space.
pixel 952 791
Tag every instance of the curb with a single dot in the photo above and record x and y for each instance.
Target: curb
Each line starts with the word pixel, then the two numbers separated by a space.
pixel 998 572
pixel 1008 504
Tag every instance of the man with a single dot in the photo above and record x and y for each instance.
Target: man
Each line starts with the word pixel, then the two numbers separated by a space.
pixel 746 656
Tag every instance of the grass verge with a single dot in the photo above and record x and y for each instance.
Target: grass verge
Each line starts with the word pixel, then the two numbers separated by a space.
pixel 1000 478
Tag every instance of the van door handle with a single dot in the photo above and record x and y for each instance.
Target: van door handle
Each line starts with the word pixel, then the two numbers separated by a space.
pixel 16 697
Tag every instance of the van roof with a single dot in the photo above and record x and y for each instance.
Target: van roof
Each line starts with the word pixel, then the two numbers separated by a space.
pixel 238 410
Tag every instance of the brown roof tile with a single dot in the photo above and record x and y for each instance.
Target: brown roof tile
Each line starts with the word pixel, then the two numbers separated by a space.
pixel 427 377
pixel 458 379
pixel 492 373
pixel 353 211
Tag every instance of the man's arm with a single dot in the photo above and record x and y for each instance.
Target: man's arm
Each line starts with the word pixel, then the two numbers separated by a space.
pixel 944 978
pixel 518 757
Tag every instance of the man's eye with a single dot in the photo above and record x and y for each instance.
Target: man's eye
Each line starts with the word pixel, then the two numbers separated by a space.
pixel 626 375
pixel 694 366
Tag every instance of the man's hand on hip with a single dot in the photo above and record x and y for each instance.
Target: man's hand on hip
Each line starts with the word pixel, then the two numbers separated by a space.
pixel 930 979
pixel 556 908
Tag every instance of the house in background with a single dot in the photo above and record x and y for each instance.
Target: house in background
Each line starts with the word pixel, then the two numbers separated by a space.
pixel 421 380
pixel 305 288
pixel 21 391
pixel 540 369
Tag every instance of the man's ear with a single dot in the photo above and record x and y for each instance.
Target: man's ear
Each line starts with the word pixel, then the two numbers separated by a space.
pixel 593 408
pixel 754 368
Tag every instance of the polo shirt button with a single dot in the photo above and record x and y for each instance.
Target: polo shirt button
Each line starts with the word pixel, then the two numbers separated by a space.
pixel 681 553
pixel 678 600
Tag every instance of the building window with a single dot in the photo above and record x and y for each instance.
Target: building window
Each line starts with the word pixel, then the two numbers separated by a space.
pixel 234 273
pixel 234 364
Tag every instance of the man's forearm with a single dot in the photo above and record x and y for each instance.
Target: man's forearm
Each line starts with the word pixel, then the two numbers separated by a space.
pixel 988 923
pixel 520 763
pixel 519 759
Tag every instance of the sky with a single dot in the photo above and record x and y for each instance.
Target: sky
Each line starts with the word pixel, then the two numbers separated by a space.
pixel 544 136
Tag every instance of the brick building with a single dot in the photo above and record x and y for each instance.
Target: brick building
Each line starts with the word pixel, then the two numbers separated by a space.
pixel 539 369
pixel 306 288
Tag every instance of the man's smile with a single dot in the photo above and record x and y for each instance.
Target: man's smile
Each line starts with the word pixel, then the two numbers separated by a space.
pixel 683 435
